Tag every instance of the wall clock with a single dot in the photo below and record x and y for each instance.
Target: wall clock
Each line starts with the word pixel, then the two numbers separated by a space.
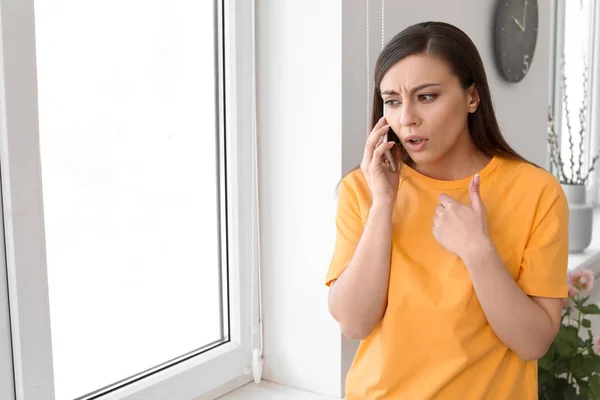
pixel 515 37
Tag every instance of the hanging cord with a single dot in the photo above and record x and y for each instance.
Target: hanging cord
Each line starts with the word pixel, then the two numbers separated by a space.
pixel 368 65
pixel 256 272
pixel 367 58
pixel 382 24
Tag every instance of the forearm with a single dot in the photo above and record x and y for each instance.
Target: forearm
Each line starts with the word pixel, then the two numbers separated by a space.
pixel 358 298
pixel 521 324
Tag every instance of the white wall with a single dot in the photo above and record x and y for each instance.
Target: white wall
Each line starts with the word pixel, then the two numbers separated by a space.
pixel 300 123
pixel 312 124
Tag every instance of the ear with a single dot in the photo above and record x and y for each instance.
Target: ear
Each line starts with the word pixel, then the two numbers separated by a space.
pixel 473 98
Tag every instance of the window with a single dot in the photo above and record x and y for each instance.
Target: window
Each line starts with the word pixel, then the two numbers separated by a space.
pixel 131 277
pixel 574 66
pixel 576 58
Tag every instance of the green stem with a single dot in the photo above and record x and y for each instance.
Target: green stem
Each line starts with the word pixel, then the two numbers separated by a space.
pixel 579 319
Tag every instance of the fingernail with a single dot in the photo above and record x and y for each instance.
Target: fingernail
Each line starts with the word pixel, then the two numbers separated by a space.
pixel 476 179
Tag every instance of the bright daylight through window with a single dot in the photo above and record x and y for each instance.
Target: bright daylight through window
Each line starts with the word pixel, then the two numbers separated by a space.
pixel 576 75
pixel 131 145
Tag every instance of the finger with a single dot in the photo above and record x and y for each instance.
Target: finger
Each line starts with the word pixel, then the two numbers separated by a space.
pixel 447 201
pixel 379 124
pixel 380 150
pixel 389 159
pixel 439 209
pixel 374 140
pixel 381 140
pixel 377 135
pixel 474 194
pixel 436 221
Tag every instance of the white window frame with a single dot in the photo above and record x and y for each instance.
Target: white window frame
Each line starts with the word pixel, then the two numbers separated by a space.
pixel 7 386
pixel 557 24
pixel 594 106
pixel 592 142
pixel 205 376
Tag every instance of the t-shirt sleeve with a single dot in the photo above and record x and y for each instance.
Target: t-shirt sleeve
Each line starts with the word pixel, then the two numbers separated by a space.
pixel 349 228
pixel 545 260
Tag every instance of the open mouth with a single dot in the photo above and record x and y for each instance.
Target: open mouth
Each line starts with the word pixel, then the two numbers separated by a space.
pixel 415 144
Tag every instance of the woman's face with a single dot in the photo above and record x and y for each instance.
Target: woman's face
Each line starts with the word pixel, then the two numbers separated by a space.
pixel 427 107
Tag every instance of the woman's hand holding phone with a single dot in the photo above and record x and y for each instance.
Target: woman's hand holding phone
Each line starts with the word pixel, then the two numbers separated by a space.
pixel 381 178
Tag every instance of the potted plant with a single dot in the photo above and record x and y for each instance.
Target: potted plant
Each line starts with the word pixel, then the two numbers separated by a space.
pixel 572 171
pixel 571 367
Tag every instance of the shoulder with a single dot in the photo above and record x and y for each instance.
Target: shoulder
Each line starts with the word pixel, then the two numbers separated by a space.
pixel 355 183
pixel 353 193
pixel 533 182
pixel 528 175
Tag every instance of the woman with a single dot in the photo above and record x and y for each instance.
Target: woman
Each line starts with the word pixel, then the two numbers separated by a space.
pixel 452 270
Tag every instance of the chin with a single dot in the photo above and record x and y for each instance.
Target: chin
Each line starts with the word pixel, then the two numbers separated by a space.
pixel 421 157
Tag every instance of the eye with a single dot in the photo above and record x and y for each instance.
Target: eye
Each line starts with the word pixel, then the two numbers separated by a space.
pixel 427 97
pixel 392 103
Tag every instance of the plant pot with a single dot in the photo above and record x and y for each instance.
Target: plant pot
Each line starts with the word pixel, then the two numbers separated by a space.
pixel 581 217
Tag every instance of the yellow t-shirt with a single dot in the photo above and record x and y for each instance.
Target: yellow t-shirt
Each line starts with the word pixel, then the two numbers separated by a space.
pixel 434 341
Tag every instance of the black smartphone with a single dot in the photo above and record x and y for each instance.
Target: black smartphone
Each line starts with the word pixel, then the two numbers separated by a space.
pixel 391 136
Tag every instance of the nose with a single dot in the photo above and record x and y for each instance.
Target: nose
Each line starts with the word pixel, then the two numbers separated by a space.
pixel 408 115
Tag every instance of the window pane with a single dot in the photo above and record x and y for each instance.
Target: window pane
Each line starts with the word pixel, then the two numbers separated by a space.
pixel 129 150
pixel 576 60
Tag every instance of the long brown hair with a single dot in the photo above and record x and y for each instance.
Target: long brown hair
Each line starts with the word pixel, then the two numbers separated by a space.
pixel 452 45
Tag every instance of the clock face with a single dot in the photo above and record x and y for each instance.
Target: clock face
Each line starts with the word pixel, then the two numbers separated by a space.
pixel 515 37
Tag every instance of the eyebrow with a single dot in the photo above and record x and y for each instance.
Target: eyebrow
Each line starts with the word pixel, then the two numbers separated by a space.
pixel 416 89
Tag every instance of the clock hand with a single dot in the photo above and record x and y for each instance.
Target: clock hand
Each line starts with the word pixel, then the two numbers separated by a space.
pixel 518 24
pixel 524 15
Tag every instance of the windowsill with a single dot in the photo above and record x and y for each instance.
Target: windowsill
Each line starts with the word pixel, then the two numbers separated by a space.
pixel 271 391
pixel 590 257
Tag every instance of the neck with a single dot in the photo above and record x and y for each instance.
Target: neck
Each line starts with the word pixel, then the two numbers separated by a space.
pixel 461 161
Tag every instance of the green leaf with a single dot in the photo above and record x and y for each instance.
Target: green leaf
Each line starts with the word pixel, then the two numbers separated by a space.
pixel 590 364
pixel 548 394
pixel 594 383
pixel 547 361
pixel 584 389
pixel 579 302
pixel 546 379
pixel 586 323
pixel 567 341
pixel 560 366
pixel 585 366
pixel 553 388
pixel 570 393
pixel 575 366
pixel 589 309
pixel 584 299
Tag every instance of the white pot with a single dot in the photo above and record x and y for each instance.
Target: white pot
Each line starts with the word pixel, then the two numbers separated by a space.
pixel 581 216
